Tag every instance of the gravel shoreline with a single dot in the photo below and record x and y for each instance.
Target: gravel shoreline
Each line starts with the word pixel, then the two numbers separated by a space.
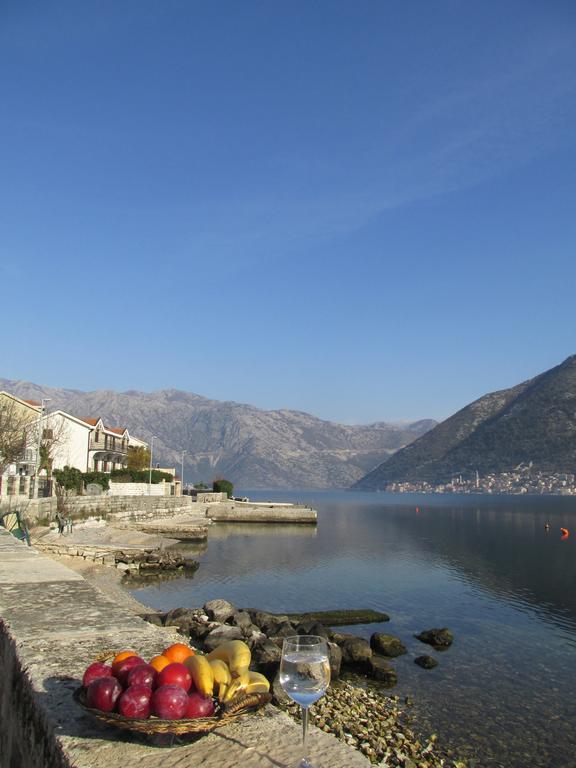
pixel 374 725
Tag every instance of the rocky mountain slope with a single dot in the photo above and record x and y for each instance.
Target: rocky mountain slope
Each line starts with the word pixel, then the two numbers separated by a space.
pixel 252 447
pixel 532 422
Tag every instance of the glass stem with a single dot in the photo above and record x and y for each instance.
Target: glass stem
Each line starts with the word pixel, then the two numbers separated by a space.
pixel 304 734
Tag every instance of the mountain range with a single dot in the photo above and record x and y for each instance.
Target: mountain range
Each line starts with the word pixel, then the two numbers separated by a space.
pixel 251 447
pixel 533 422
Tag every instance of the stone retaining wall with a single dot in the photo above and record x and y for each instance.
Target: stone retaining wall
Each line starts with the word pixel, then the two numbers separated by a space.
pixel 110 507
pixel 140 489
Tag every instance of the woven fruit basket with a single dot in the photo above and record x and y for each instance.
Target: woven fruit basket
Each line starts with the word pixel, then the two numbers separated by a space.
pixel 243 704
pixel 208 676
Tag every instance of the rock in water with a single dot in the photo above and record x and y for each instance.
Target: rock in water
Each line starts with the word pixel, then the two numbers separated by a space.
pixel 387 645
pixel 426 662
pixel 437 638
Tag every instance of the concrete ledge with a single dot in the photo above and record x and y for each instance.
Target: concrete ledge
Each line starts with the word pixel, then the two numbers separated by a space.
pixel 52 624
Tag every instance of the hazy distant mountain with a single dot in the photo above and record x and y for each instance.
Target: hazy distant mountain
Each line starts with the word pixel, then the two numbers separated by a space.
pixel 251 447
pixel 532 422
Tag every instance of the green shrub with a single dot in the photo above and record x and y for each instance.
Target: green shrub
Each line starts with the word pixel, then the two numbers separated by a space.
pixel 97 477
pixel 139 476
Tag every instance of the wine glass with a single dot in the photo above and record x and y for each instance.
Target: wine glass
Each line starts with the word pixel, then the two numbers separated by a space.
pixel 305 675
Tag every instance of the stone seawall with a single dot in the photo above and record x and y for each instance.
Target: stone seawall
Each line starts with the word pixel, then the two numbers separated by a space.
pixel 52 624
pixel 110 507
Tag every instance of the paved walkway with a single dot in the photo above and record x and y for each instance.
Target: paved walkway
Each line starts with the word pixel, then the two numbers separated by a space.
pixel 58 623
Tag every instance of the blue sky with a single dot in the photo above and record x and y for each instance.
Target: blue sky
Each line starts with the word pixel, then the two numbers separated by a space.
pixel 361 210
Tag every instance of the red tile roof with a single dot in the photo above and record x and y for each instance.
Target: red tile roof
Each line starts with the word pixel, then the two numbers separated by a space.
pixel 118 430
pixel 93 422
pixel 35 403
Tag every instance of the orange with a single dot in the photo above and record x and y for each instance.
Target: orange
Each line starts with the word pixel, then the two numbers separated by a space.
pixel 159 662
pixel 178 652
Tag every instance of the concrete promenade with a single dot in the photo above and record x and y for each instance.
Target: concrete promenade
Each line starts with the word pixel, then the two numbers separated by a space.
pixel 52 624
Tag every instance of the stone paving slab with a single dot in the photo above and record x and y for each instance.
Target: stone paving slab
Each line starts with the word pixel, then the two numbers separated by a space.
pixel 62 607
pixel 7 556
pixel 30 570
pixel 7 546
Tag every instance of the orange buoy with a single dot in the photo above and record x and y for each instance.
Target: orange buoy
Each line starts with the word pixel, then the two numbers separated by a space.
pixel 565 532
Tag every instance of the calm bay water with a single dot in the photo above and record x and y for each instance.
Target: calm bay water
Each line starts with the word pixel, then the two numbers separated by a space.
pixel 505 692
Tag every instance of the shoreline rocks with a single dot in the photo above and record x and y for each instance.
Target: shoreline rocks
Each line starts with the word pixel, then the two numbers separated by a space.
pixel 360 717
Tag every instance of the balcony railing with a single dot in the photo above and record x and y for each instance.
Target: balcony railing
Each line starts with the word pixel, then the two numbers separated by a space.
pixel 107 443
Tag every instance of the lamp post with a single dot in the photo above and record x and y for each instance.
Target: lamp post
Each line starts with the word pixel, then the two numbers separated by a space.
pixel 150 472
pixel 39 444
pixel 182 474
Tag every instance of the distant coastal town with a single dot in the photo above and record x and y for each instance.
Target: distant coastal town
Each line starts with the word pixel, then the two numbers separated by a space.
pixel 522 480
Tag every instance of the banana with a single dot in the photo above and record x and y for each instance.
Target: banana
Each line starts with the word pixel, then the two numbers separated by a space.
pixel 249 682
pixel 235 653
pixel 257 683
pixel 221 671
pixel 237 685
pixel 202 673
pixel 222 676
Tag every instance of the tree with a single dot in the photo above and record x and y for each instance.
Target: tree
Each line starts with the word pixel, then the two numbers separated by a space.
pixel 220 485
pixel 138 457
pixel 14 426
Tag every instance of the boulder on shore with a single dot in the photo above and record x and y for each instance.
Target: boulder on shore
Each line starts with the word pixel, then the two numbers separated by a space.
pixel 380 669
pixel 356 652
pixel 221 634
pixel 219 610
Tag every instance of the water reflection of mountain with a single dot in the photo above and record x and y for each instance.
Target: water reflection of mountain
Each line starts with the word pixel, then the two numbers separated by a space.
pixel 225 530
pixel 365 548
pixel 502 547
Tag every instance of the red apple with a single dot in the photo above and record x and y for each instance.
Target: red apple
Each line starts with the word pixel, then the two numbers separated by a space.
pixel 122 668
pixel 135 702
pixel 169 702
pixel 199 706
pixel 175 674
pixel 94 671
pixel 143 674
pixel 103 694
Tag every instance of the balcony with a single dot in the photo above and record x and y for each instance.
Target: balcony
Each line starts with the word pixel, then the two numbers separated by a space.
pixel 109 444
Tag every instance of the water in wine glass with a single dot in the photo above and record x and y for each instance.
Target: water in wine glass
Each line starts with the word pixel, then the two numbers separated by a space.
pixel 305 675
